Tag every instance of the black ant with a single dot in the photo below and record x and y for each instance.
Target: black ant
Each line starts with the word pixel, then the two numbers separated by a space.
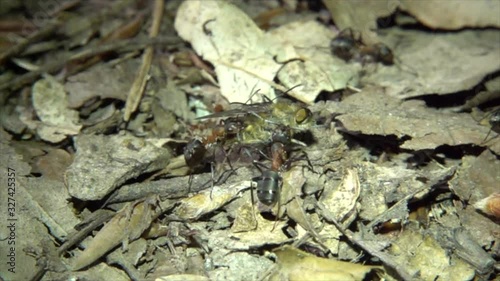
pixel 349 48
pixel 270 182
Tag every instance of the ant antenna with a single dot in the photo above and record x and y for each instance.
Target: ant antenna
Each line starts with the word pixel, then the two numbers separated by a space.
pixel 287 91
pixel 284 63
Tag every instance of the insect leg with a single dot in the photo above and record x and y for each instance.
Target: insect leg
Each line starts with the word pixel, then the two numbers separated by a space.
pixel 213 178
pixel 190 182
pixel 279 206
pixel 487 135
pixel 252 189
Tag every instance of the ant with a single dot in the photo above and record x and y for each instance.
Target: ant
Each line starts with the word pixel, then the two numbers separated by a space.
pixel 209 149
pixel 199 151
pixel 494 123
pixel 349 48
pixel 270 182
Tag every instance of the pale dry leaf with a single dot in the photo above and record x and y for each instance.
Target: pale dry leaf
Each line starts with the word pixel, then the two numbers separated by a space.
pixel 342 200
pixel 246 218
pixel 360 15
pixel 127 225
pixel 103 163
pixel 295 264
pixel 320 70
pixel 247 59
pixel 454 14
pixel 428 259
pixel 51 106
pixel 241 53
pixel 265 228
pixel 441 63
pixel 208 200
pixel 373 112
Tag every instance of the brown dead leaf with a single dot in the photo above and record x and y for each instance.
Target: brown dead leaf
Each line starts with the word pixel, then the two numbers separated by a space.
pixel 363 15
pixel 53 165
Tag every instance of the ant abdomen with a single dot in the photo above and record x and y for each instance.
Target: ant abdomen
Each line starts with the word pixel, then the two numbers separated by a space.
pixel 268 185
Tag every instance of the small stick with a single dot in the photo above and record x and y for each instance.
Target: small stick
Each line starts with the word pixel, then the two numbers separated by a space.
pixel 52 66
pixel 137 89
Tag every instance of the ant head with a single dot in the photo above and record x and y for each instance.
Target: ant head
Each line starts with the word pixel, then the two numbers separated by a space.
pixel 194 152
pixel 384 54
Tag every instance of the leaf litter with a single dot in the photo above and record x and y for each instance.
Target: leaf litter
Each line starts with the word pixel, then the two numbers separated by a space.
pixel 396 178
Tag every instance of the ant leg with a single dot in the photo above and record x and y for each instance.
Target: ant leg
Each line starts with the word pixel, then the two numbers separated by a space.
pixel 279 207
pixel 223 177
pixel 213 178
pixel 226 158
pixel 259 166
pixel 484 141
pixel 213 164
pixel 303 156
pixel 190 182
pixel 306 157
pixel 264 155
pixel 252 189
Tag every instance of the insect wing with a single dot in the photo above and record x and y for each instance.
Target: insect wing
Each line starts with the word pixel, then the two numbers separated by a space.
pixel 241 110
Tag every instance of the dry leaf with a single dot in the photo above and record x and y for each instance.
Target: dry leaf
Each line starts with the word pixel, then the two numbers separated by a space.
pixel 454 14
pixel 360 15
pixel 373 112
pixel 427 258
pixel 127 225
pixel 208 200
pixel 111 160
pixel 50 103
pixel 241 53
pixel 443 63
pixel 247 59
pixel 295 264
pixel 342 200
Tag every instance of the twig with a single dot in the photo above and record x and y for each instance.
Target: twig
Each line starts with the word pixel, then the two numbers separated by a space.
pixel 137 89
pixel 366 245
pixel 50 28
pixel 50 67
pixel 38 35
